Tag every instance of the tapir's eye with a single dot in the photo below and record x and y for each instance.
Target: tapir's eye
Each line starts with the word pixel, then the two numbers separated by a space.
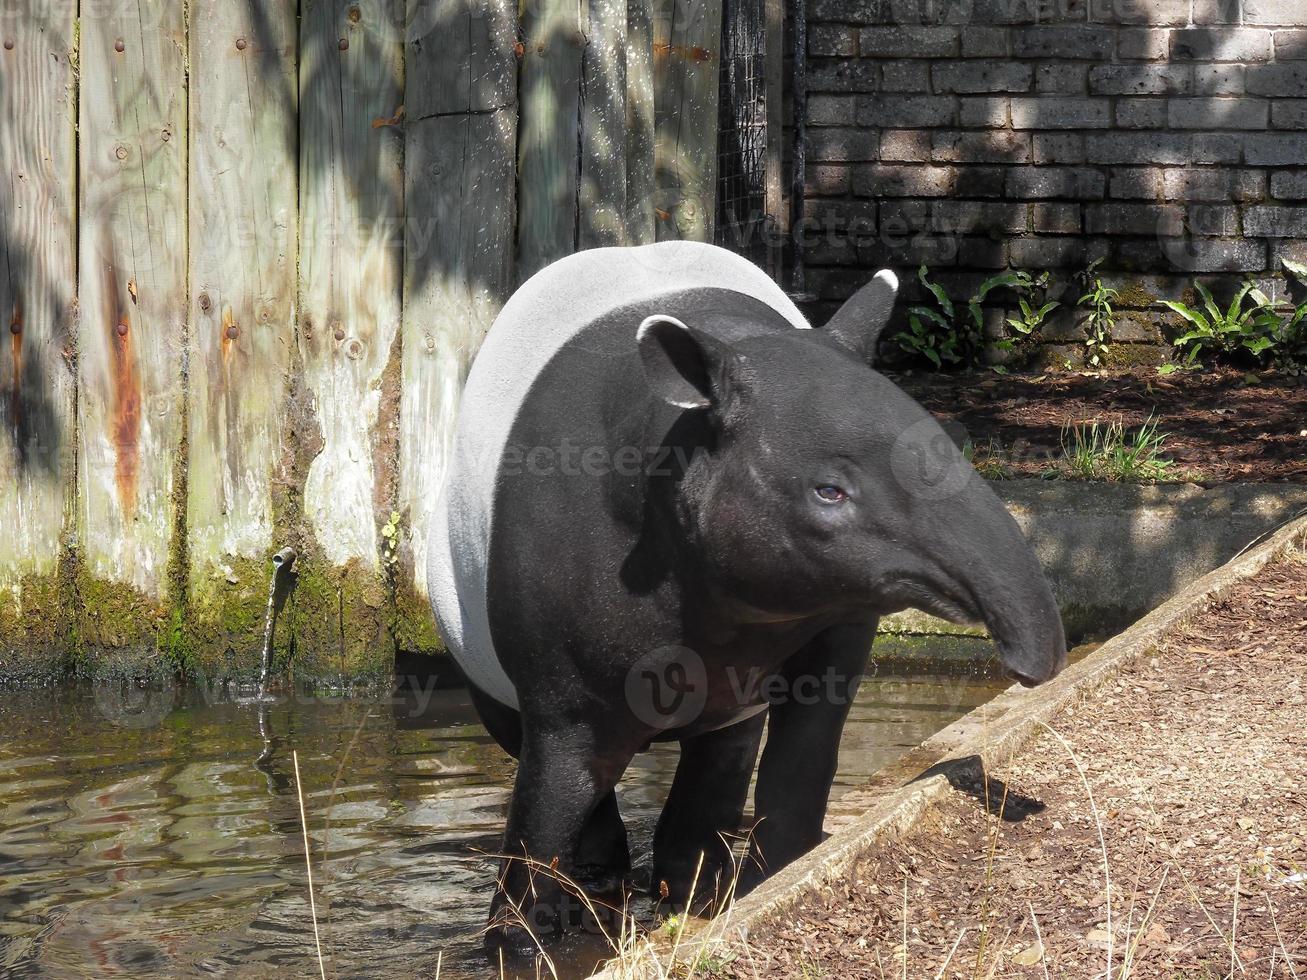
pixel 831 494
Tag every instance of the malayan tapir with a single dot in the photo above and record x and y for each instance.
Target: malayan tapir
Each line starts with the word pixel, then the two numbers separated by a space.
pixel 671 509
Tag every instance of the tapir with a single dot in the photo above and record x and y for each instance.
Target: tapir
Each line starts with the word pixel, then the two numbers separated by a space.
pixel 674 510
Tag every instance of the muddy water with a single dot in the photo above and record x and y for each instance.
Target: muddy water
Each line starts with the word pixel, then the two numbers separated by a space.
pixel 158 834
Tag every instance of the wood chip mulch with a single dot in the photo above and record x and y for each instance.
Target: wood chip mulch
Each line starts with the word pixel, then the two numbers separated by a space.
pixel 1197 762
pixel 1221 426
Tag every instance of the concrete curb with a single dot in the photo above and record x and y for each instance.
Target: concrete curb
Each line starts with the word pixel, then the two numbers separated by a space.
pixel 986 738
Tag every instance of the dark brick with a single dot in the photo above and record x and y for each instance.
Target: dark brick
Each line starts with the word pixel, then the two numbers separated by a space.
pixel 908 111
pixel 984 42
pixel 1217 148
pixel 1283 81
pixel 1142 45
pixel 1187 254
pixel 1275 222
pixel 1289 45
pixel 995 146
pixel 1218 114
pixel 1052 182
pixel 829 180
pixel 1290 185
pixel 832 40
pixel 982 253
pixel 1136 183
pixel 1221 44
pixel 985 113
pixel 842 145
pixel 1214 185
pixel 1140 79
pixel 1289 114
pixel 843 75
pixel 1061 218
pixel 909 42
pixel 1047 253
pixel 1059 148
pixel 1158 13
pixel 984 76
pixel 973 216
pixel 1219 79
pixel 1217 11
pixel 1141 113
pixel 1061 113
pixel 905 146
pixel 1141 148
pixel 831 110
pixel 849 11
pixel 1132 219
pixel 1273 13
pixel 1087 43
pixel 1062 78
pixel 898 181
pixel 1274 149
pixel 980 182
pixel 906 76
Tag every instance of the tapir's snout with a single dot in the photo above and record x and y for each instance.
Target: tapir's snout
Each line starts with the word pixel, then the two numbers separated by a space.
pixel 992 563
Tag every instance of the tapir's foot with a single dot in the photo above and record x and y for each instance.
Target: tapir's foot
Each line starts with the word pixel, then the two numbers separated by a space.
pixel 520 932
pixel 704 893
pixel 601 881
pixel 511 941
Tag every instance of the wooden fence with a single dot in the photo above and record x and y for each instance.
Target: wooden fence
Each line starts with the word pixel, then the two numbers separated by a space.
pixel 250 247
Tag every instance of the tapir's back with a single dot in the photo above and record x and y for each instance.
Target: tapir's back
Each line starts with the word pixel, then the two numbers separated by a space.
pixel 536 324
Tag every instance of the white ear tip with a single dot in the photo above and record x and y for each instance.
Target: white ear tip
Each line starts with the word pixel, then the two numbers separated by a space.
pixel 887 276
pixel 649 321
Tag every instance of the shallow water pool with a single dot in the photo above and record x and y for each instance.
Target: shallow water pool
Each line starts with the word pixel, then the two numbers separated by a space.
pixel 159 834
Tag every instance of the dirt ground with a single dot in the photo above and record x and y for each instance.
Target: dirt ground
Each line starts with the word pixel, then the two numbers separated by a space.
pixel 1197 764
pixel 1222 425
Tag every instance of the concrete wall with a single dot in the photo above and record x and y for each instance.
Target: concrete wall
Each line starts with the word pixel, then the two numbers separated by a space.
pixel 1166 136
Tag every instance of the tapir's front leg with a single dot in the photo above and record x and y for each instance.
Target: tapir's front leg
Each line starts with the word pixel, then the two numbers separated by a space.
pixel 799 762
pixel 560 778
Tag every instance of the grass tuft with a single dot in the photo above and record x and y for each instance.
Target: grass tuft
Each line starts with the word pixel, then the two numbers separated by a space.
pixel 1094 451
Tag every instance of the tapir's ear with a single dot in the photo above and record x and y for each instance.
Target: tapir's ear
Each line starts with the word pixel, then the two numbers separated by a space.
pixel 857 324
pixel 684 367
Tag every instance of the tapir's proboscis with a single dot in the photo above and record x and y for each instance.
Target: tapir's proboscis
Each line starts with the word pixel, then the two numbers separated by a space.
pixel 671 507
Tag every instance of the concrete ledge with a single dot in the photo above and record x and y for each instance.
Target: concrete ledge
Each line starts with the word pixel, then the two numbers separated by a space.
pixel 1113 551
pixel 984 739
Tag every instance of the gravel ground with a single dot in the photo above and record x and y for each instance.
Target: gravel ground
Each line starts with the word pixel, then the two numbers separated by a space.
pixel 1196 760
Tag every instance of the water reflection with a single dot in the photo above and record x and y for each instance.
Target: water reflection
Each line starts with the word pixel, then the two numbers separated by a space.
pixel 174 847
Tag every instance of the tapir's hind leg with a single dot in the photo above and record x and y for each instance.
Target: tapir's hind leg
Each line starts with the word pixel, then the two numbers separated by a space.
pixel 706 802
pixel 502 722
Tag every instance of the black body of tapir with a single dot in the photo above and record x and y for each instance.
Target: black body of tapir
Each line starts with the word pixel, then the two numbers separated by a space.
pixel 670 510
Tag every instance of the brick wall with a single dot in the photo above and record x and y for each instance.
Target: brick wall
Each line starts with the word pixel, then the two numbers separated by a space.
pixel 1168 137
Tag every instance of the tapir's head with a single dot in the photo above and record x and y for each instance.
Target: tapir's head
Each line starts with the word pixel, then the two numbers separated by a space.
pixel 828 490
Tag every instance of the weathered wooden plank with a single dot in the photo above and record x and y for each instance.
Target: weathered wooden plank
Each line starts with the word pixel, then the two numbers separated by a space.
pixel 601 204
pixel 460 149
pixel 132 278
pixel 243 243
pixel 548 138
pixel 773 87
pixel 640 187
pixel 351 214
pixel 686 46
pixel 37 272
